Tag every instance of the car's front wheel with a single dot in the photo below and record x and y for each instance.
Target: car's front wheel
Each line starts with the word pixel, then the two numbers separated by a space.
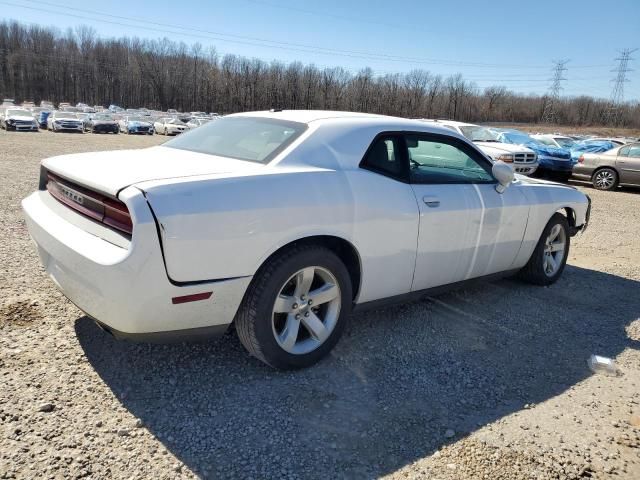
pixel 296 307
pixel 549 258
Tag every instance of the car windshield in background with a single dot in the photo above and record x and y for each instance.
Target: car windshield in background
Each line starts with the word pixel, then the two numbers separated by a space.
pixel 478 134
pixel 17 112
pixel 253 139
pixel 138 119
pixel 175 121
pixel 565 142
pixel 518 138
pixel 67 115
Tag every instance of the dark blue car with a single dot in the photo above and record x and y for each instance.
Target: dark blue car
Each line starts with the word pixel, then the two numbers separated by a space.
pixel 42 119
pixel 551 160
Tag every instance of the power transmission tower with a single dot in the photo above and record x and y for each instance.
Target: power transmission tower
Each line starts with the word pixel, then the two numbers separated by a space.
pixel 612 113
pixel 551 100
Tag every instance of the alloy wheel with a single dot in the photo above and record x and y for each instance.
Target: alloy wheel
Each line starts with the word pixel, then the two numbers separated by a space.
pixel 306 310
pixel 554 247
pixel 604 179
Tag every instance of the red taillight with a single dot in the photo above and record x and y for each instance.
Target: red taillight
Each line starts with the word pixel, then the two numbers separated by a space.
pixel 581 159
pixel 116 215
pixel 103 209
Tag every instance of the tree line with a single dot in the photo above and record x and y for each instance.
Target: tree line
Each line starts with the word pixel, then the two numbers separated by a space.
pixel 41 63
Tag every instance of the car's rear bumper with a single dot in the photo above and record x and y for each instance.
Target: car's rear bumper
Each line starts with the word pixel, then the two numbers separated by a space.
pixel 126 289
pixel 581 172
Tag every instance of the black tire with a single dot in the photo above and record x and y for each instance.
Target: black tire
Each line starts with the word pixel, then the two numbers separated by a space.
pixel 605 179
pixel 533 271
pixel 253 320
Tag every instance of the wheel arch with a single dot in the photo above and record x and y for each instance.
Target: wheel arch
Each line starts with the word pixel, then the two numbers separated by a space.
pixel 344 249
pixel 601 167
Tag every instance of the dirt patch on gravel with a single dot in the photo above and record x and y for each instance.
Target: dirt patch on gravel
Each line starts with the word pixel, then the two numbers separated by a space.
pixel 21 313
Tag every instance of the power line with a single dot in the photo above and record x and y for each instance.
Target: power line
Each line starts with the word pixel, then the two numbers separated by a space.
pixel 549 112
pixel 255 41
pixel 612 113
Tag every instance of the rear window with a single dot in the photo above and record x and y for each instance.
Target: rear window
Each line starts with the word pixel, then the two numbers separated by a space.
pixel 253 139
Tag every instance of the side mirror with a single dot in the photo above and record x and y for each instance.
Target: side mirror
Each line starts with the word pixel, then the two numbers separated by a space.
pixel 504 174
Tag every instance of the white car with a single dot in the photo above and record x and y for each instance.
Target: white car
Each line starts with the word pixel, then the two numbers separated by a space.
pixel 18 119
pixel 60 121
pixel 282 221
pixel 197 122
pixel 523 159
pixel 170 126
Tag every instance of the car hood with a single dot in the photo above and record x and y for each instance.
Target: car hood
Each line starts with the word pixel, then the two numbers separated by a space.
pixel 500 147
pixel 110 172
pixel 104 122
pixel 27 118
pixel 67 119
pixel 139 124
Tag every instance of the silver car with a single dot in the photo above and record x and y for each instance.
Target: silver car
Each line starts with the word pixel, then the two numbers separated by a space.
pixel 607 170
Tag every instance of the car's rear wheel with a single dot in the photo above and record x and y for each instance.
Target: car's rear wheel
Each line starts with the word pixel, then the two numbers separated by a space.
pixel 296 308
pixel 550 255
pixel 605 179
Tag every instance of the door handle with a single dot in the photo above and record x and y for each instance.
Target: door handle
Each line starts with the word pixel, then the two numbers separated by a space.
pixel 431 202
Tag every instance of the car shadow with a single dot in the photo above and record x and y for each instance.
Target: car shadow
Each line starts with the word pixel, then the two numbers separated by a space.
pixel 397 381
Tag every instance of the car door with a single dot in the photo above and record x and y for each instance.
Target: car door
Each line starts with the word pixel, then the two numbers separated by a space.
pixel 628 163
pixel 466 229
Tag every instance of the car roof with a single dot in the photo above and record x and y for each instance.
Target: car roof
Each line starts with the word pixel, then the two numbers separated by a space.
pixel 308 116
pixel 325 117
pixel 449 122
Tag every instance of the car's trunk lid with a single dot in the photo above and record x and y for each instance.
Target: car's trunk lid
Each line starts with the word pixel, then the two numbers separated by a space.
pixel 109 172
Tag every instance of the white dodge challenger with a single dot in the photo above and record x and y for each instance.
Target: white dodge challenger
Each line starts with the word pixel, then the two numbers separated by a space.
pixel 281 222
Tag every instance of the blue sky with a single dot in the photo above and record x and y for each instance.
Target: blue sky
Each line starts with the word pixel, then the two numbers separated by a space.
pixel 499 42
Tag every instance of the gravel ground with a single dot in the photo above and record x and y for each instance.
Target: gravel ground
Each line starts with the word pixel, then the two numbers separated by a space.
pixel 488 382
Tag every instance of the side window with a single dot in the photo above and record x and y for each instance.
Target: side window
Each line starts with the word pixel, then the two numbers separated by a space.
pixel 634 151
pixel 624 152
pixel 438 161
pixel 384 156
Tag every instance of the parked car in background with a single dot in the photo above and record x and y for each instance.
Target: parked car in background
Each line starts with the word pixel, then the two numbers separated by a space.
pixel 169 126
pixel 42 118
pixel 197 122
pixel 172 241
pixel 8 102
pixel 18 119
pixel 558 141
pixel 618 141
pixel 101 123
pixel 607 170
pixel 60 121
pixel 135 125
pixel 551 160
pixel 590 146
pixel 523 159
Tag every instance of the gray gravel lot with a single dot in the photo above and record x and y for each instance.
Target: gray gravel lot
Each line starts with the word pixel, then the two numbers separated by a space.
pixel 487 382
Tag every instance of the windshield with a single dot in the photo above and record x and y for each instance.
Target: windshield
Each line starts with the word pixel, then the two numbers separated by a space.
pixel 17 112
pixel 175 121
pixel 517 138
pixel 66 115
pixel 478 134
pixel 564 142
pixel 137 119
pixel 103 117
pixel 245 138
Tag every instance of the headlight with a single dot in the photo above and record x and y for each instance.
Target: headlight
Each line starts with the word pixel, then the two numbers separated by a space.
pixel 11 121
pixel 505 157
